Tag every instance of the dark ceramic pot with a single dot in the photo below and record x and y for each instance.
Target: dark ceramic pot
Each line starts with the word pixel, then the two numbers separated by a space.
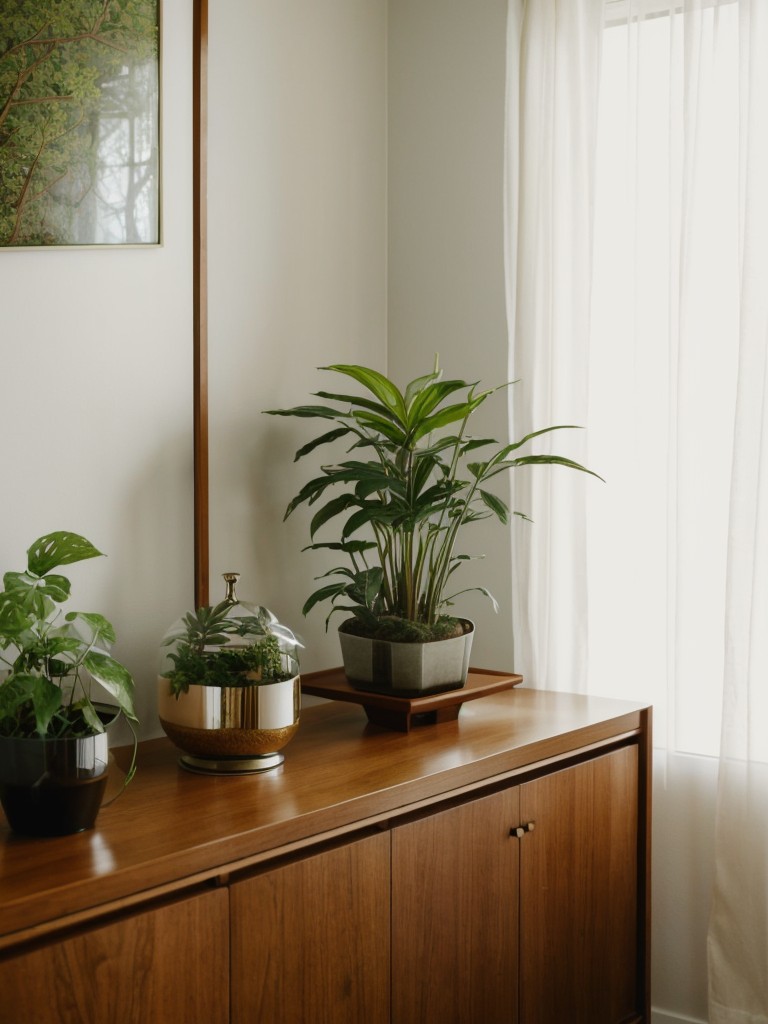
pixel 53 787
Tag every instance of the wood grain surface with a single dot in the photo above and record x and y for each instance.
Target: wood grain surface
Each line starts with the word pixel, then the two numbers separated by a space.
pixel 172 827
pixel 169 965
pixel 311 941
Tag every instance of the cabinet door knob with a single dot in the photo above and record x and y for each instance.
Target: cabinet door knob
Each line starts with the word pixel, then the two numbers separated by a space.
pixel 519 831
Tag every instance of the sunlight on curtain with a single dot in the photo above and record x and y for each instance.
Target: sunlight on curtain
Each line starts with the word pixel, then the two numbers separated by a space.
pixel 738 937
pixel 662 162
pixel 552 86
pixel 677 564
pixel 664 359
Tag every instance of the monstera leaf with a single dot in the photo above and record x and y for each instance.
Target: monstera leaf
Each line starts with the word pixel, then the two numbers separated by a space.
pixel 60 548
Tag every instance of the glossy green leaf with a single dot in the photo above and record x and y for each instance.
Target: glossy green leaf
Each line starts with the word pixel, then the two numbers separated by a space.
pixel 24 585
pixel 330 436
pixel 553 460
pixel 328 591
pixel 115 679
pixel 44 695
pixel 351 547
pixel 380 483
pixel 333 508
pixel 323 412
pixel 377 384
pixel 356 401
pixel 13 618
pixel 362 613
pixel 90 715
pixel 309 493
pixel 415 387
pixel 60 548
pixel 505 451
pixel 496 505
pixel 390 430
pixel 369 512
pixel 369 583
pixel 431 396
pixel 29 594
pixel 56 645
pixel 95 627
pixel 450 414
pixel 473 443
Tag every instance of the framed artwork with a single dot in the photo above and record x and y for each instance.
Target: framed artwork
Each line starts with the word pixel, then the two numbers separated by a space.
pixel 79 123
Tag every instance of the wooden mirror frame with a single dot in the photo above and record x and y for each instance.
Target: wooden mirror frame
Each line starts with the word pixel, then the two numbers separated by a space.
pixel 200 296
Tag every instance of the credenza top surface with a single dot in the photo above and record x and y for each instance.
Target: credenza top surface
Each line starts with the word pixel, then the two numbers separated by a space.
pixel 172 826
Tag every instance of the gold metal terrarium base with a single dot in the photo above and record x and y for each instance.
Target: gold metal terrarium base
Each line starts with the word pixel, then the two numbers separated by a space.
pixel 235 730
pixel 231 765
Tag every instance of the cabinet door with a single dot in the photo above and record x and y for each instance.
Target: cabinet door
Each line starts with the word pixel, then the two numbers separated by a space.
pixel 454 915
pixel 169 965
pixel 311 939
pixel 579 885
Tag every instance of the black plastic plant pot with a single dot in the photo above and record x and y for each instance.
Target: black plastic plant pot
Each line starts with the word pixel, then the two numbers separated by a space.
pixel 53 787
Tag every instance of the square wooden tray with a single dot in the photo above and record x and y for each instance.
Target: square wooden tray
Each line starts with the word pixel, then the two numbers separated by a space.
pixel 401 713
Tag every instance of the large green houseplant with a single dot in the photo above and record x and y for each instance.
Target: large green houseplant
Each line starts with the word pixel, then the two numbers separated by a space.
pixel 53 746
pixel 413 478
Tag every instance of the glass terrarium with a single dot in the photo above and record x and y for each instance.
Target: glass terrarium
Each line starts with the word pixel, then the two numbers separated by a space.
pixel 229 691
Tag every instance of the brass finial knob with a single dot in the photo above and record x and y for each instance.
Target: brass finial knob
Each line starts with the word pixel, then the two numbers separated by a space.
pixel 230 578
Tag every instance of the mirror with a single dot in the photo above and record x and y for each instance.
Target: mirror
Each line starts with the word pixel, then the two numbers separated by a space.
pixel 354 214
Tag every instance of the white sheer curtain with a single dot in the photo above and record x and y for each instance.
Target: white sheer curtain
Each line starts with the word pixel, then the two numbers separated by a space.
pixel 552 88
pixel 667 368
pixel 738 936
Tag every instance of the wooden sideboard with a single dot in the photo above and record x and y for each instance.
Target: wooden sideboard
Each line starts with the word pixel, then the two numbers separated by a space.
pixel 494 868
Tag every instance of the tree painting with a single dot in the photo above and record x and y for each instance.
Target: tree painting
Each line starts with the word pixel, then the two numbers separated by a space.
pixel 79 115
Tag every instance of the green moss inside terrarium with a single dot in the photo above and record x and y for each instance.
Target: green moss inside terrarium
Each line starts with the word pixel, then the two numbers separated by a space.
pixel 227 666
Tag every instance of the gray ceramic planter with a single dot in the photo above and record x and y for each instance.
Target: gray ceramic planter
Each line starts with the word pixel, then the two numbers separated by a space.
pixel 406 669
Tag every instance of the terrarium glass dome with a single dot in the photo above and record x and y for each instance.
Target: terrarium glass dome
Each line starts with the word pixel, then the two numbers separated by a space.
pixel 233 627
pixel 228 687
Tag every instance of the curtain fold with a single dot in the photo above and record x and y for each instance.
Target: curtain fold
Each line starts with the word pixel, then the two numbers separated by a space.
pixel 636 250
pixel 552 89
pixel 738 935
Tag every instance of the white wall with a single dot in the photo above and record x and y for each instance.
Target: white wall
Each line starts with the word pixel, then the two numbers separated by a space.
pixel 297 252
pixel 96 402
pixel 446 271
pixel 97 345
